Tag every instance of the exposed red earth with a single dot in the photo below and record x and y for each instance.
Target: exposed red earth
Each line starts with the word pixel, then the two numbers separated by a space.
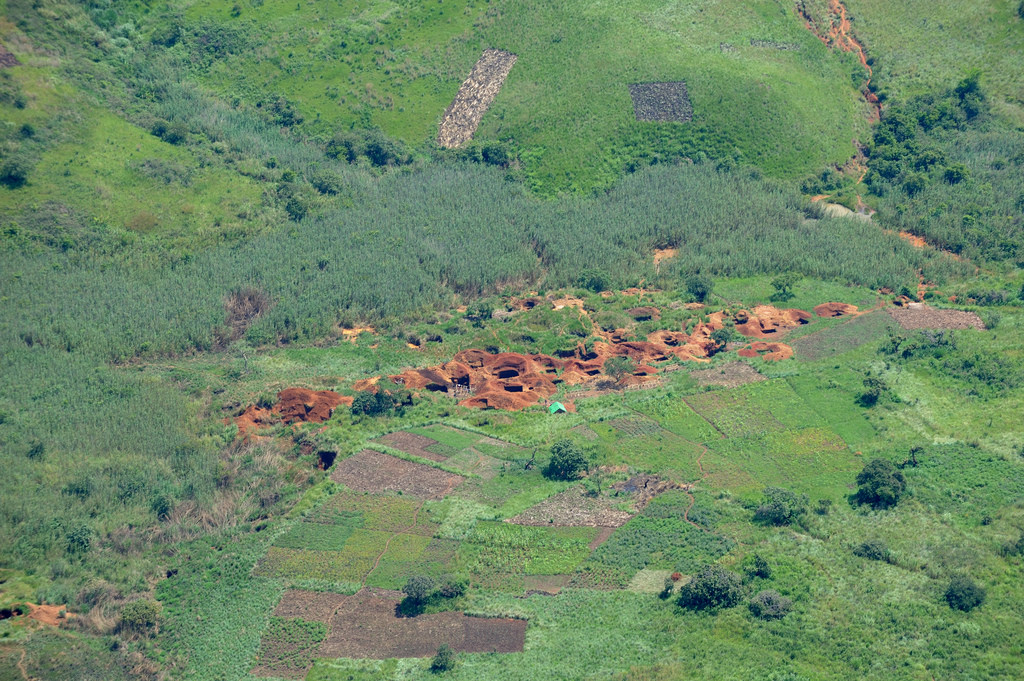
pixel 294 405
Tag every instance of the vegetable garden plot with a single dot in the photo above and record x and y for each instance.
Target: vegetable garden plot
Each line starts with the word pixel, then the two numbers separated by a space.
pixel 371 471
pixel 473 99
pixel 661 101
pixel 573 508
pixel 920 316
pixel 728 375
pixel 411 443
pixel 366 627
pixel 836 340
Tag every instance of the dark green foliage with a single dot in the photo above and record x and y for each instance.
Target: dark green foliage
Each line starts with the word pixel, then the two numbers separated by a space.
pixel 141 615
pixel 419 588
pixel 770 605
pixel 36 450
pixel 14 172
pixel 781 507
pixel 451 587
pixel 723 336
pixel 444 660
pixel 162 505
pixel 873 549
pixel 374 404
pixel 964 594
pixel 881 484
pixel 712 588
pixel 699 285
pixel 824 507
pixel 594 280
pixel 372 145
pixel 783 285
pixel 78 540
pixel 568 461
pixel 875 388
pixel 757 567
pixel 1013 548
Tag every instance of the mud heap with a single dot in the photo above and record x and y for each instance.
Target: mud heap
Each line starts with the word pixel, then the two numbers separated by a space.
pixel 835 310
pixel 294 405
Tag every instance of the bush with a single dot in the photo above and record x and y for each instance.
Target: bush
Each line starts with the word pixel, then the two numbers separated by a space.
pixel 699 286
pixel 873 549
pixel 444 660
pixel 452 587
pixel 567 461
pixel 881 484
pixel 964 594
pixel 770 605
pixel 712 588
pixel 373 404
pixel 14 173
pixel 78 540
pixel 757 566
pixel 140 616
pixel 594 280
pixel 780 506
pixel 619 368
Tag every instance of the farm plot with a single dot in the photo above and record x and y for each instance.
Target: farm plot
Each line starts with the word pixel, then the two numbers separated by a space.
pixel 660 451
pixel 843 337
pixel 728 375
pixel 312 606
pixel 661 101
pixel 573 508
pixel 372 471
pixel 754 409
pixel 366 626
pixel 921 316
pixel 348 565
pixel 384 513
pixel 499 556
pixel 473 99
pixel 288 648
pixel 411 443
pixel 658 538
pixel 804 460
pixel 635 427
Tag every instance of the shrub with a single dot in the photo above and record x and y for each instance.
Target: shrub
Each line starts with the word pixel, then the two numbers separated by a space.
pixel 14 173
pixel 873 549
pixel 140 616
pixel 1013 548
pixel 780 506
pixel 444 660
pixel 699 286
pixel 881 484
pixel 452 587
pixel 712 588
pixel 824 507
pixel 770 605
pixel 757 566
pixel 567 461
pixel 594 280
pixel 78 540
pixel 373 404
pixel 964 594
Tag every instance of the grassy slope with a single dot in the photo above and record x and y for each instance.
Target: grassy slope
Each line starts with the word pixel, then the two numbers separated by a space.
pixel 565 104
pixel 922 45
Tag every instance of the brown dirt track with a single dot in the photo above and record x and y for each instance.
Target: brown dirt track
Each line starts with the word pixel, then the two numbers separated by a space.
pixel 372 471
pixel 473 99
pixel 365 626
pixel 921 316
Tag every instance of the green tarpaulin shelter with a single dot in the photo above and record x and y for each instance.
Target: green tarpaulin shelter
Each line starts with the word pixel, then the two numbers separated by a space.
pixel 557 407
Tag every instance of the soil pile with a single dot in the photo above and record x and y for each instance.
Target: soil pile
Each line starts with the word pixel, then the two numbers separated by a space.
pixel 770 352
pixel 767 321
pixel 300 405
pixel 473 99
pixel 829 310
pixel 253 418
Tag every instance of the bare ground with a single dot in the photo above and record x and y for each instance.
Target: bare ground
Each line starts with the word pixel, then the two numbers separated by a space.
pixel 728 375
pixel 411 443
pixel 921 316
pixel 473 99
pixel 372 471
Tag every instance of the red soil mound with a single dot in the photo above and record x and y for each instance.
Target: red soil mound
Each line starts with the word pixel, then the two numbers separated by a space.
pixel 299 404
pixel 254 417
pixel 49 614
pixel 767 321
pixel 835 310
pixel 767 351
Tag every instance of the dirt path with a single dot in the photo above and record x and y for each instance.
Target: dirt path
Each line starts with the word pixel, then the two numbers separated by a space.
pixel 21 666
pixel 415 515
pixel 840 34
pixel 689 492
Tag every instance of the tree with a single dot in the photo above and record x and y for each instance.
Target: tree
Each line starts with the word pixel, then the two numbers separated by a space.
pixel 712 588
pixel 567 460
pixel 619 368
pixel 418 589
pixel 757 566
pixel 770 605
pixel 783 285
pixel 881 484
pixel 874 388
pixel 780 506
pixel 964 594
pixel 722 337
pixel 699 286
pixel 594 280
pixel 444 659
